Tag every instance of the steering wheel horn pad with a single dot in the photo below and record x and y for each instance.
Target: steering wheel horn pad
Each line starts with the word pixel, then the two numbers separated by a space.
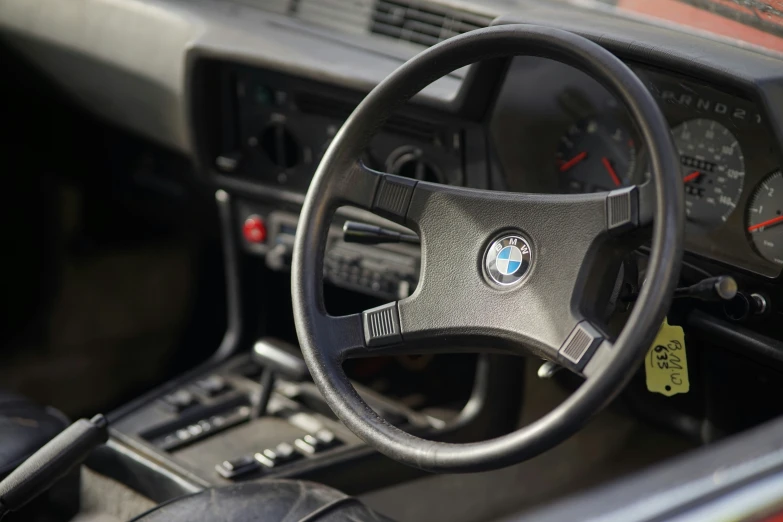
pixel 514 272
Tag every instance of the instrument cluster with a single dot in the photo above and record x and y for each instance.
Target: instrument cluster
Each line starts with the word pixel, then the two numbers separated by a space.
pixel 600 154
pixel 729 160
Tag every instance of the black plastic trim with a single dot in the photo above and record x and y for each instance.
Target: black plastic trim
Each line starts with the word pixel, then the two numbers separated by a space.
pixel 735 337
pixel 153 479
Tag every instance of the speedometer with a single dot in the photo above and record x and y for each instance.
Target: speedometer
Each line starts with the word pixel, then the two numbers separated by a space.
pixel 713 169
pixel 765 218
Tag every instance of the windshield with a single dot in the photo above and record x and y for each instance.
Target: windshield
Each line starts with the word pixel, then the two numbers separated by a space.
pixel 757 22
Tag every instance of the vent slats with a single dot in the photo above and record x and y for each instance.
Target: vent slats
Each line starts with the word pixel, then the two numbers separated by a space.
pixel 272 6
pixel 312 103
pixel 422 23
pixel 349 15
pixel 415 21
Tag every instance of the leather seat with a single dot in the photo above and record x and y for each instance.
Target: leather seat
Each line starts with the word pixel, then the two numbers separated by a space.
pixel 24 428
pixel 265 501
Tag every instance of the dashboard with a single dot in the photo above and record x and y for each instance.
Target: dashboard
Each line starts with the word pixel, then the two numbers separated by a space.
pixel 552 129
pixel 557 130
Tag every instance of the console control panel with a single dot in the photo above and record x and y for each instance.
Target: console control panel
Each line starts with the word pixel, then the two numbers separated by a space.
pixel 202 428
pixel 283 453
pixel 218 439
pixel 276 128
pixel 388 272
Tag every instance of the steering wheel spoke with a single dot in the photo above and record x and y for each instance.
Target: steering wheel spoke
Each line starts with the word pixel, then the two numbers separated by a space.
pixel 580 346
pixel 387 195
pixel 645 204
pixel 373 333
pixel 345 336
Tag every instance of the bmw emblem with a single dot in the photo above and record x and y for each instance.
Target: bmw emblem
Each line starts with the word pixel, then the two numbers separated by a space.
pixel 508 259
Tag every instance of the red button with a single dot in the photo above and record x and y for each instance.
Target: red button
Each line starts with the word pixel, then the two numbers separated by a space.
pixel 254 229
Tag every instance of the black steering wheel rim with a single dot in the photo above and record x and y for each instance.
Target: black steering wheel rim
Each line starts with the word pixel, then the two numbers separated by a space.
pixel 333 181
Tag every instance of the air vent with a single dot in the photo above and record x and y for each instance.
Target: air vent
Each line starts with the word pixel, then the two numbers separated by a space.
pixel 329 107
pixel 418 129
pixel 310 103
pixel 422 23
pixel 348 16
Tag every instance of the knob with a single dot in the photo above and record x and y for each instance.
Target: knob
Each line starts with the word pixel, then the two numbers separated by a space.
pixel 280 357
pixel 280 145
pixel 276 358
pixel 744 305
pixel 410 163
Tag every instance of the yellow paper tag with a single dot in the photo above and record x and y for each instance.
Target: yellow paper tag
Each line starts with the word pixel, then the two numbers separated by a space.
pixel 666 365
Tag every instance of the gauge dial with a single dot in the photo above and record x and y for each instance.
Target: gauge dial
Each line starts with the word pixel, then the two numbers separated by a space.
pixel 713 169
pixel 595 155
pixel 765 218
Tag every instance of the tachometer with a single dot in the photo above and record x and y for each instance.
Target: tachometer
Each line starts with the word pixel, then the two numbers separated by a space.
pixel 713 170
pixel 595 155
pixel 765 218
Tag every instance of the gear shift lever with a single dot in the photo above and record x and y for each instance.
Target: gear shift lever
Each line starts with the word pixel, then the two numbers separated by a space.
pixel 276 357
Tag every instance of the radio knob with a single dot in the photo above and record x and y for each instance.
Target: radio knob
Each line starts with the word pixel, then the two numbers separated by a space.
pixel 410 163
pixel 279 145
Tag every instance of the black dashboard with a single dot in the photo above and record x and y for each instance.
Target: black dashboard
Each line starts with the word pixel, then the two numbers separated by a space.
pixel 551 128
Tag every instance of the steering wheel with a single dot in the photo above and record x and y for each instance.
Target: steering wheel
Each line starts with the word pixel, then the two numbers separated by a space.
pixel 520 273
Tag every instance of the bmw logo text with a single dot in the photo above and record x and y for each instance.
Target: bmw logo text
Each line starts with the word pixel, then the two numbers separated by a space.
pixel 508 259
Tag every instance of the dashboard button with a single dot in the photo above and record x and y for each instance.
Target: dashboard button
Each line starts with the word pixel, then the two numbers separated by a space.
pixel 213 385
pixel 283 453
pixel 179 401
pixel 234 468
pixel 280 146
pixel 317 442
pixel 254 229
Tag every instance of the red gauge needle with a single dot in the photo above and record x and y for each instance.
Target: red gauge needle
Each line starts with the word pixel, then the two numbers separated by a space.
pixel 773 221
pixel 573 161
pixel 692 176
pixel 610 170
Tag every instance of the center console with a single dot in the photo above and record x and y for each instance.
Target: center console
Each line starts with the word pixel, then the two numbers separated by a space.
pixel 201 431
pixel 205 429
